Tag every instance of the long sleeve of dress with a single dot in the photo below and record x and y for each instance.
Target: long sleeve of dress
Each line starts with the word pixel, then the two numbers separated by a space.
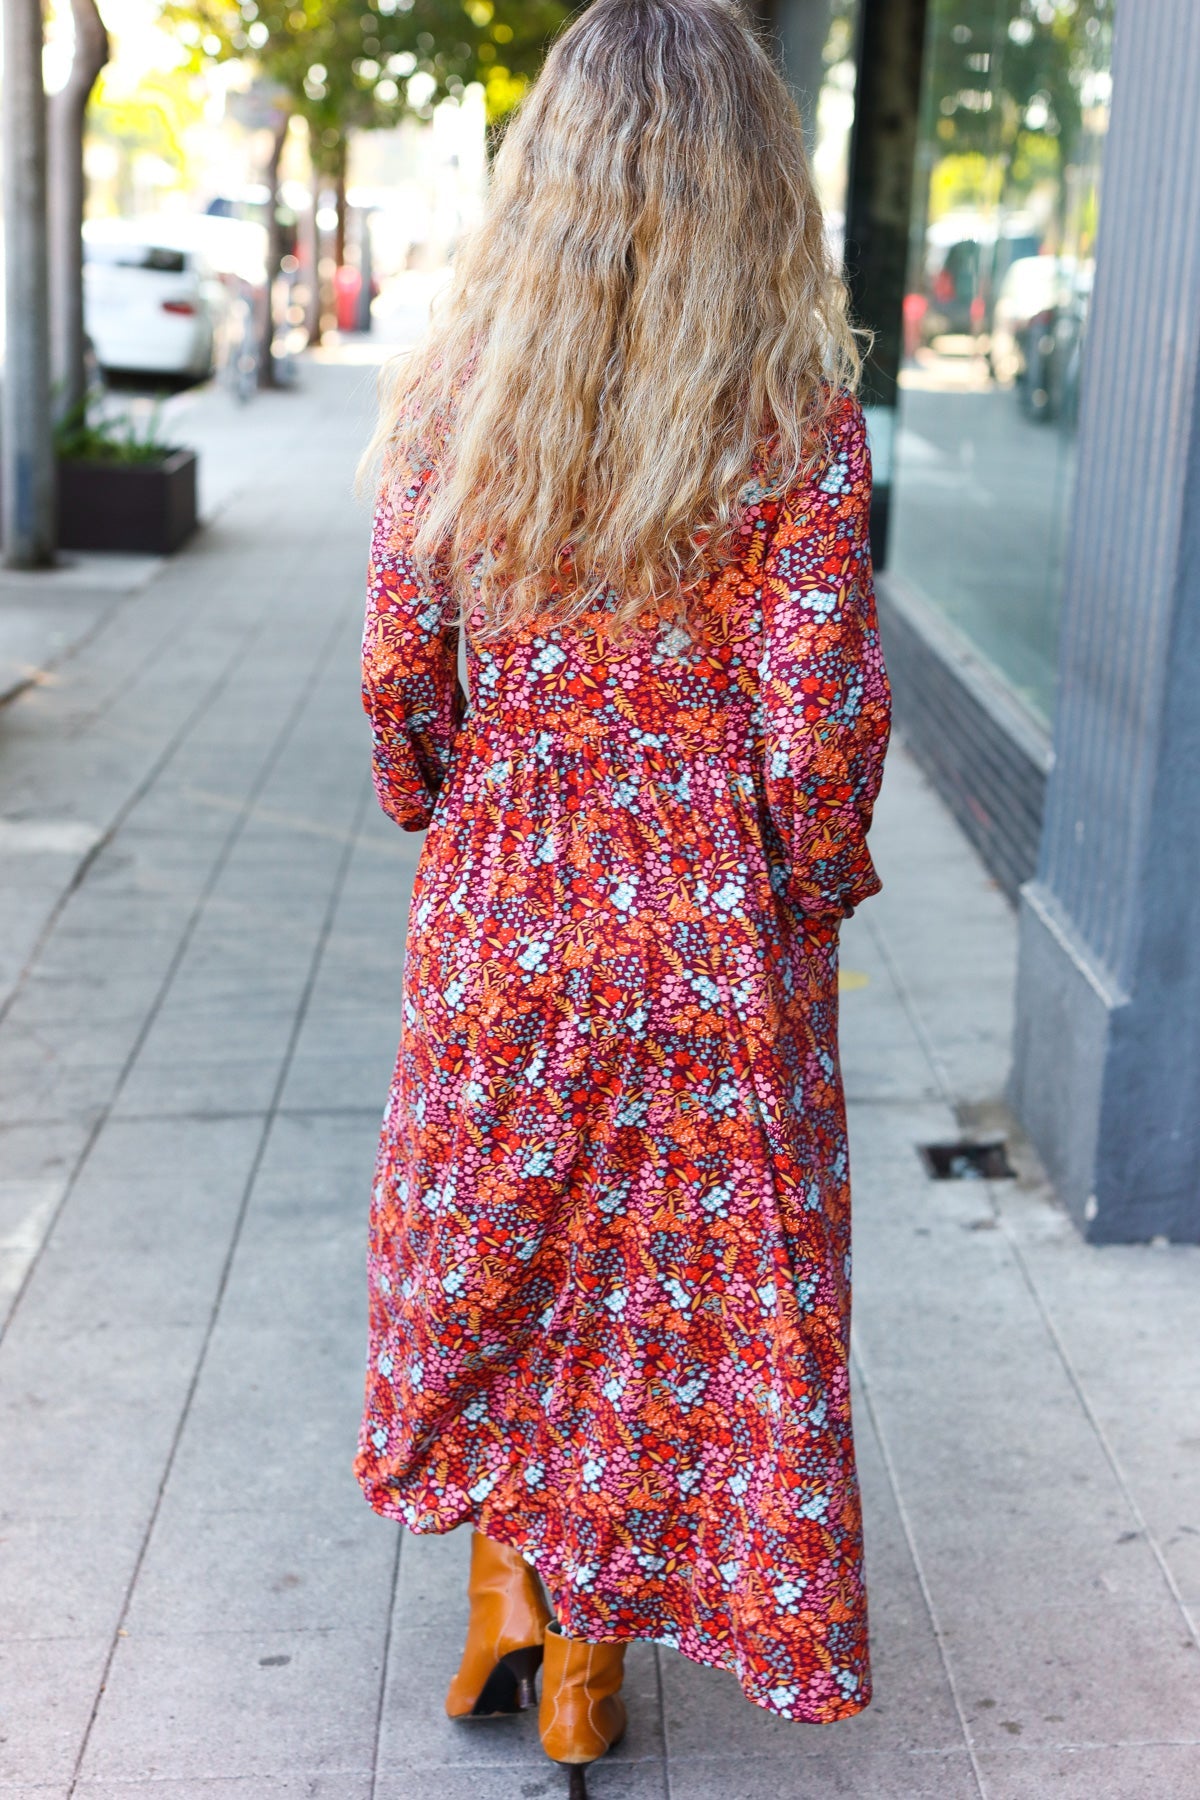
pixel 411 691
pixel 824 690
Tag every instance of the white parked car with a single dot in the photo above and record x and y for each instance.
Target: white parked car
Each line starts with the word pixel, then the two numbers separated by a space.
pixel 152 301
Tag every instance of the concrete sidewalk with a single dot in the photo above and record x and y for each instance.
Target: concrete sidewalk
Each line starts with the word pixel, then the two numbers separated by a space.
pixel 203 921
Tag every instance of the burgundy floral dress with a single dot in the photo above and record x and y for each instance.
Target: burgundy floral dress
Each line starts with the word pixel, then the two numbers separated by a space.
pixel 609 1246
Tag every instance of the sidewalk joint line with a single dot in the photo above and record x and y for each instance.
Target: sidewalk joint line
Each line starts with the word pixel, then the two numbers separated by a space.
pixel 919 1569
pixel 385 1669
pixel 221 862
pixel 937 1067
pixel 248 1186
pixel 169 644
pixel 1041 1305
pixel 157 768
pixel 662 1718
pixel 1110 1455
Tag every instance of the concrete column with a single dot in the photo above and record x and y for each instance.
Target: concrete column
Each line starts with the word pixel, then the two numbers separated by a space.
pixel 1107 1051
pixel 26 447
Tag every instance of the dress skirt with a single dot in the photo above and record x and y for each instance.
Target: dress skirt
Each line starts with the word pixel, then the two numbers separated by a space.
pixel 609 1257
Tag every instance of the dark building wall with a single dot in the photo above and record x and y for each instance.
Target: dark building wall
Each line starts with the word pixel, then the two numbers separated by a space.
pixel 985 757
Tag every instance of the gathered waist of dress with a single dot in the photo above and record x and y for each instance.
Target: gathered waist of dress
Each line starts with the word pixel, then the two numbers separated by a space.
pixel 547 735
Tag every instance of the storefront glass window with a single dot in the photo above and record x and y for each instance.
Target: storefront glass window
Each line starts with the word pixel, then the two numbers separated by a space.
pixel 1006 202
pixel 832 118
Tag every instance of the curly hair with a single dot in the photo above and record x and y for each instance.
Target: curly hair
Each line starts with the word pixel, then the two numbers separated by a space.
pixel 647 319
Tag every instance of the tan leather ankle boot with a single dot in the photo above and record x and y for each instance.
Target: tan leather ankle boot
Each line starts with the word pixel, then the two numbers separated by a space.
pixel 508 1621
pixel 581 1713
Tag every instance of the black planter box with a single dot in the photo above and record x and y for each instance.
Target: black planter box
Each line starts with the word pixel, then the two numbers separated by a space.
pixel 130 506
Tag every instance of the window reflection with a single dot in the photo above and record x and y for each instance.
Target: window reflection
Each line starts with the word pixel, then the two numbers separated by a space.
pixel 1006 200
pixel 833 116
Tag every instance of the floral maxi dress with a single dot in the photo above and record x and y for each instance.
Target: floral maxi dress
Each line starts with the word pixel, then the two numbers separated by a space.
pixel 609 1242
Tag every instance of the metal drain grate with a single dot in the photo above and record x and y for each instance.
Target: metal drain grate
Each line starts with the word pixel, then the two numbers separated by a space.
pixel 967 1162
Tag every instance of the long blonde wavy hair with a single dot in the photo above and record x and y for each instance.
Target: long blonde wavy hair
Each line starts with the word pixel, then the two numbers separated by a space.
pixel 647 319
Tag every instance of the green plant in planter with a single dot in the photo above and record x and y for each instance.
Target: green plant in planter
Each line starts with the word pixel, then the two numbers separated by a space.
pixel 120 485
pixel 109 438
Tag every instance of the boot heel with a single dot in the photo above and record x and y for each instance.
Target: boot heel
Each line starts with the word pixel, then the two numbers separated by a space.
pixel 577 1783
pixel 524 1665
pixel 510 1686
pixel 508 1620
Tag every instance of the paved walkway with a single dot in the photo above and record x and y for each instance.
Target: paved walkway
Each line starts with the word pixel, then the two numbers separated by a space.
pixel 201 923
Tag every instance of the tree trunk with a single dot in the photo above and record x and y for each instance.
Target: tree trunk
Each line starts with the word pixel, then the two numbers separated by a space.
pixel 268 375
pixel 316 298
pixel 67 112
pixel 339 239
pixel 27 471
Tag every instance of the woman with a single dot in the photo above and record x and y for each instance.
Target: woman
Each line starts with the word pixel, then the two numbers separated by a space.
pixel 609 1240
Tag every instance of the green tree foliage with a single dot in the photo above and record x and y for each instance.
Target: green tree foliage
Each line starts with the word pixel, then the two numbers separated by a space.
pixel 1005 77
pixel 347 65
pixel 357 65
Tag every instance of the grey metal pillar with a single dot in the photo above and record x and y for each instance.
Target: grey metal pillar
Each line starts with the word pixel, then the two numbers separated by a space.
pixel 26 446
pixel 1107 1053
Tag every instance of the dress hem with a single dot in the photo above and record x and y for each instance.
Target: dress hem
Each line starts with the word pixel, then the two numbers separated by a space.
pixel 391 1509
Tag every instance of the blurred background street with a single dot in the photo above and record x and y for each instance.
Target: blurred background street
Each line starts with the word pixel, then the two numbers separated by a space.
pixel 203 932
